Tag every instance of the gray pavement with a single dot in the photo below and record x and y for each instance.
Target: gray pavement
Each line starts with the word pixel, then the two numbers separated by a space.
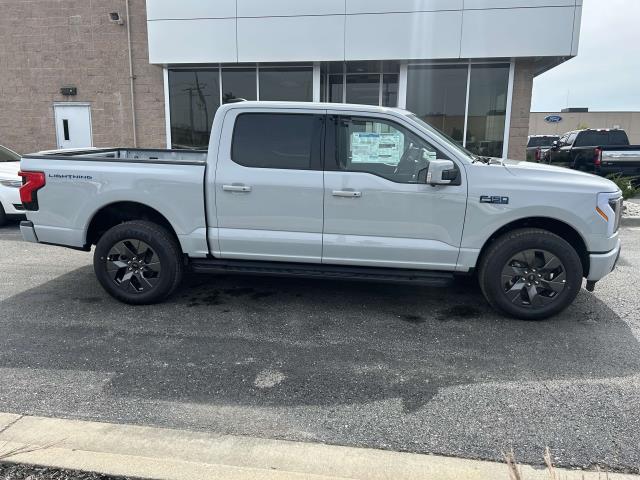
pixel 383 366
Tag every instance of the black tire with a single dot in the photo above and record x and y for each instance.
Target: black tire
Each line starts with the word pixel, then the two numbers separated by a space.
pixel 3 217
pixel 518 296
pixel 149 279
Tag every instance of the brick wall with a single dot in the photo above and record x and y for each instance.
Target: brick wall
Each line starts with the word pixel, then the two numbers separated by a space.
pixel 520 109
pixel 45 44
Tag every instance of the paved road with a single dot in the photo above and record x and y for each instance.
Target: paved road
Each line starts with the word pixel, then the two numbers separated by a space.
pixel 394 367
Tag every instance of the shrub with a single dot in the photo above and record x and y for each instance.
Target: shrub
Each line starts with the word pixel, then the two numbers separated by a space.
pixel 626 184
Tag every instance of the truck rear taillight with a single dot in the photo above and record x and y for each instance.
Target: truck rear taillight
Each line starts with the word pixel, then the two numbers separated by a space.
pixel 31 183
pixel 538 154
pixel 597 157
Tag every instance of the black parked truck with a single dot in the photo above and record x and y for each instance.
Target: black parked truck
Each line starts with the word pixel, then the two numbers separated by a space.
pixel 538 145
pixel 603 152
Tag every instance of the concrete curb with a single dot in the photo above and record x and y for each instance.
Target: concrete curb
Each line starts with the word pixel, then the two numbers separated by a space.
pixel 630 221
pixel 164 454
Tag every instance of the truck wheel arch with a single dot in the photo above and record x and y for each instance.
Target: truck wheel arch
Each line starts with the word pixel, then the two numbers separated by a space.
pixel 560 228
pixel 119 212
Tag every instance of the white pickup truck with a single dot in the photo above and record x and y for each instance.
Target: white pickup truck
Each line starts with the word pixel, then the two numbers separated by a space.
pixel 327 190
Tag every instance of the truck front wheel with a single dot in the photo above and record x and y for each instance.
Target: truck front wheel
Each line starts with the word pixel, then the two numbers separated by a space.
pixel 531 274
pixel 138 262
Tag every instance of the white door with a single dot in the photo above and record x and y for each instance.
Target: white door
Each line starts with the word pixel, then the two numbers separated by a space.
pixel 73 125
pixel 269 186
pixel 378 209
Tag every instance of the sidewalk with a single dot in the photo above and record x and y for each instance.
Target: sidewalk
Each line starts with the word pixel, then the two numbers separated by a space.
pixel 157 453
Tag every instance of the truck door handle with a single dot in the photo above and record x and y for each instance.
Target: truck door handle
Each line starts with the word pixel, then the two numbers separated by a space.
pixel 346 193
pixel 236 188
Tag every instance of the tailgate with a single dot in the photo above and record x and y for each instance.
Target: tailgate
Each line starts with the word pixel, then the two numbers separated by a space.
pixel 625 162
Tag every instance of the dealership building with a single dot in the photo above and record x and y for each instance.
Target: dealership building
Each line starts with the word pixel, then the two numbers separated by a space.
pixel 78 73
pixel 558 123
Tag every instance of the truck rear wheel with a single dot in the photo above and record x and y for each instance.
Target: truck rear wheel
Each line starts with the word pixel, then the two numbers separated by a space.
pixel 138 262
pixel 3 216
pixel 531 274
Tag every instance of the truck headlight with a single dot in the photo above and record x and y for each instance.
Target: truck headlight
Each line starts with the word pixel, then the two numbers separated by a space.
pixel 609 208
pixel 11 183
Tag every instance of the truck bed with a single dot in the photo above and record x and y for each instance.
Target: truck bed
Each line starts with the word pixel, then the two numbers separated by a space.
pixel 80 184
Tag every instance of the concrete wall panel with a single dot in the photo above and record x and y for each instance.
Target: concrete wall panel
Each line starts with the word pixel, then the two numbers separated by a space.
pixel 403 35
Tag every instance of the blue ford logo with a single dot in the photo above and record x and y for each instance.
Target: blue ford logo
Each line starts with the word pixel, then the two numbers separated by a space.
pixel 553 119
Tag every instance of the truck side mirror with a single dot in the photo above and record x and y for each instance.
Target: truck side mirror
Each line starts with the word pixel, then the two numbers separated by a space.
pixel 441 172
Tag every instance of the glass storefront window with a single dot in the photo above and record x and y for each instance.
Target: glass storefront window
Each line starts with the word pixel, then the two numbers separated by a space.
pixel 194 97
pixel 239 83
pixel 437 95
pixel 363 89
pixel 367 82
pixel 488 92
pixel 390 86
pixel 293 84
pixel 336 90
pixel 195 94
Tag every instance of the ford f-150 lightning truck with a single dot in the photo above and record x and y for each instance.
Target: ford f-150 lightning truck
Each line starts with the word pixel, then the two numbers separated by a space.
pixel 327 190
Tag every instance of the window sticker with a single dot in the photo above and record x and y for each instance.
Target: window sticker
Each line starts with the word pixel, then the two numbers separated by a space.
pixel 369 147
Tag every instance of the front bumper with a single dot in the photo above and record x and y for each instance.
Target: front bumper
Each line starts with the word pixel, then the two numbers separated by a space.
pixel 28 231
pixel 602 264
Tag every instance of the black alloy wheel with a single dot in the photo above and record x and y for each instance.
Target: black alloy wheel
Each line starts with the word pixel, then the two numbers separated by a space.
pixel 138 262
pixel 534 278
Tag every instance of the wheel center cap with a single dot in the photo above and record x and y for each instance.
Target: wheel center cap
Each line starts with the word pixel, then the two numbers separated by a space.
pixel 531 277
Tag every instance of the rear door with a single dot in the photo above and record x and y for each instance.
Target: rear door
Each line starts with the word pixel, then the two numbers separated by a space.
pixel 379 211
pixel 269 186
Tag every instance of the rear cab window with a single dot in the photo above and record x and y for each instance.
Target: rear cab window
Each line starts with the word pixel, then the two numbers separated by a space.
pixel 278 140
pixel 602 138
pixel 542 141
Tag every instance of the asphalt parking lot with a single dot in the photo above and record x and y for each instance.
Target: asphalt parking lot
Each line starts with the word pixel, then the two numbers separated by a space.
pixel 384 366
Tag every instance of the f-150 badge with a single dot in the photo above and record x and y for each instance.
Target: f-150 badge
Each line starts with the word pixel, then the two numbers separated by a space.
pixel 496 200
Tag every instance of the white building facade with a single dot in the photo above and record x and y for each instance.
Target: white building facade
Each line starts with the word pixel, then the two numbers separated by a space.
pixel 464 66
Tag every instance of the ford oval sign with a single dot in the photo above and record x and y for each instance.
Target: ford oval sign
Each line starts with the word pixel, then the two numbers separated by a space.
pixel 553 119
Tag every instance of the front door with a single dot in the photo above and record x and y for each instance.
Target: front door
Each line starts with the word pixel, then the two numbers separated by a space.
pixel 561 156
pixel 269 187
pixel 379 211
pixel 73 125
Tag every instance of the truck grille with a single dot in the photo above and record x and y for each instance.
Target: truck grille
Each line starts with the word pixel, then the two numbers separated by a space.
pixel 616 205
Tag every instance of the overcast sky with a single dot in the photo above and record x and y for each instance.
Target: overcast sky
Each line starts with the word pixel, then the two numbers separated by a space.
pixel 606 73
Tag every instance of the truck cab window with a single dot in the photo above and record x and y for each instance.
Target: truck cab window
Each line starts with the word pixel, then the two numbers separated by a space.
pixel 277 140
pixel 382 148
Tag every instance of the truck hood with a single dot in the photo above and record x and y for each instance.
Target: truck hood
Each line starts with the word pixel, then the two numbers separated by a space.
pixel 550 175
pixel 9 170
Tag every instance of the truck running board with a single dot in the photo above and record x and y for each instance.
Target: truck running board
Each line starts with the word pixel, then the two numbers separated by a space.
pixel 302 270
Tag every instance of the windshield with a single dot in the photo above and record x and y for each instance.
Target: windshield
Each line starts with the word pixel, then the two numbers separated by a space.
pixel 444 138
pixel 7 155
pixel 542 141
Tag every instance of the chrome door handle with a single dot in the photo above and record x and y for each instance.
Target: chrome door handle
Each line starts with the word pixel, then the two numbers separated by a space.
pixel 236 188
pixel 346 193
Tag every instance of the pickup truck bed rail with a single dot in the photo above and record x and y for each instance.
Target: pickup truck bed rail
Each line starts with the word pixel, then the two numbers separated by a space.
pixel 129 155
